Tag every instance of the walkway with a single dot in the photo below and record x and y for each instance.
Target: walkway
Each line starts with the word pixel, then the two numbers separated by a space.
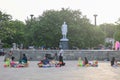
pixel 69 72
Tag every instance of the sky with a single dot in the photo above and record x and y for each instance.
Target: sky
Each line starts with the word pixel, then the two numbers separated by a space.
pixel 107 10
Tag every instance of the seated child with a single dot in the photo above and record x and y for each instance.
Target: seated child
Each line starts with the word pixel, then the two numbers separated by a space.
pixel 7 62
pixel 40 64
pixel 80 62
pixel 13 63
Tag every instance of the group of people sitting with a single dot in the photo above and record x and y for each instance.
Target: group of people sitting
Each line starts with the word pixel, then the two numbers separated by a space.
pixel 52 63
pixel 94 63
pixel 23 62
pixel 45 63
pixel 87 63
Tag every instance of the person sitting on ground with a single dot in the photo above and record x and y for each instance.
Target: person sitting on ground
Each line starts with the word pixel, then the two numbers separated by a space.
pixel 80 62
pixel 13 63
pixel 7 62
pixel 24 61
pixel 85 62
pixel 44 63
pixel 40 64
pixel 95 63
pixel 113 62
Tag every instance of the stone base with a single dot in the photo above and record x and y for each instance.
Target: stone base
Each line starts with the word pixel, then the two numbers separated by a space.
pixel 64 44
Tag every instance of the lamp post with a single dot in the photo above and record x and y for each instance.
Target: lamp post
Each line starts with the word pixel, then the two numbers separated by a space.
pixel 31 16
pixel 95 15
pixel 31 44
pixel 31 19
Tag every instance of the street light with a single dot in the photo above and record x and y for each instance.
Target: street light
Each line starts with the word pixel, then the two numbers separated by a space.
pixel 31 16
pixel 31 19
pixel 95 15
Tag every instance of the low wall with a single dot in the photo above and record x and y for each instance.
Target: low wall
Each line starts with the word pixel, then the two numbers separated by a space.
pixel 35 55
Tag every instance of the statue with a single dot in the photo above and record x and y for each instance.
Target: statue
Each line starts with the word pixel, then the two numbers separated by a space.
pixel 64 41
pixel 64 30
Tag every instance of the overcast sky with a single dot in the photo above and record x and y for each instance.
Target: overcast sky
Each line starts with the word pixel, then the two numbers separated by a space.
pixel 107 10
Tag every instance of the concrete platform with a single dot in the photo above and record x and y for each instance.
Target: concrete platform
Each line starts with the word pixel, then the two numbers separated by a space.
pixel 69 72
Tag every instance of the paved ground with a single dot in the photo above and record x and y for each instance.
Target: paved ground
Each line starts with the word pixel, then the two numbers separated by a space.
pixel 69 72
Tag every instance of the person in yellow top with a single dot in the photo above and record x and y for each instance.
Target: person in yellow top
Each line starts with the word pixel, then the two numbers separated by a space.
pixel 80 62
pixel 7 62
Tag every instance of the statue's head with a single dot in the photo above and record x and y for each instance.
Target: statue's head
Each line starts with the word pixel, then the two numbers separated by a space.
pixel 64 22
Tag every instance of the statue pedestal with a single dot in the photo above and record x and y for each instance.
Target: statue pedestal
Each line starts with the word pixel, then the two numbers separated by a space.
pixel 64 43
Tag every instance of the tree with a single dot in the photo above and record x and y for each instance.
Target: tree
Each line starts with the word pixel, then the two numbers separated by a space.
pixel 17 35
pixel 108 29
pixel 45 30
pixel 117 35
pixel 5 30
pixel 117 32
pixel 11 31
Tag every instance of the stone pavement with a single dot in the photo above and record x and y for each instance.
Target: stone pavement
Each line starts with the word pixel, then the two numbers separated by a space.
pixel 69 72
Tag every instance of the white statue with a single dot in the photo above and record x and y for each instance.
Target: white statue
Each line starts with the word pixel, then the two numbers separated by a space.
pixel 14 46
pixel 64 30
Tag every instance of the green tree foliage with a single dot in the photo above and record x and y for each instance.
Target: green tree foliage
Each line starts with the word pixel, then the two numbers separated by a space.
pixel 17 35
pixel 5 30
pixel 11 31
pixel 99 36
pixel 117 33
pixel 46 29
pixel 108 29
